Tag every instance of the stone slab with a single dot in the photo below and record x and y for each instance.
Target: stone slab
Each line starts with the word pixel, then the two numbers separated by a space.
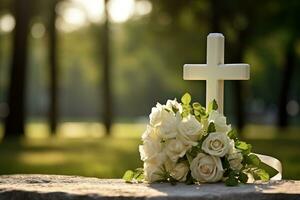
pixel 50 187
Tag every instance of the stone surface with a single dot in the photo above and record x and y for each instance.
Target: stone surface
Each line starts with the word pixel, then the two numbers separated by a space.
pixel 50 187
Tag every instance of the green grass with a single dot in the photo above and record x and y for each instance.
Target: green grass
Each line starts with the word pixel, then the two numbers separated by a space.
pixel 99 156
pixel 105 157
pixel 78 149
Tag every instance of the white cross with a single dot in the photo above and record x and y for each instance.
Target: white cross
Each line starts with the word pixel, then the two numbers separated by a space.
pixel 215 71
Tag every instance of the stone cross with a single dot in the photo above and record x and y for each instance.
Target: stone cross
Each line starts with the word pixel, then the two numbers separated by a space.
pixel 215 71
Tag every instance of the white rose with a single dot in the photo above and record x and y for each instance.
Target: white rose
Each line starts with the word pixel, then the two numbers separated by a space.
pixel 216 144
pixel 148 151
pixel 185 140
pixel 180 171
pixel 206 168
pixel 235 158
pixel 219 120
pixel 150 133
pixel 151 144
pixel 190 128
pixel 232 148
pixel 152 172
pixel 153 168
pixel 176 149
pixel 156 115
pixel 167 129
pixel 235 161
pixel 173 104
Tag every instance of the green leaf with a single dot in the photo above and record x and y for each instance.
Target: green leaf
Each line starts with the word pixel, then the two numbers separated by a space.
pixel 225 163
pixel 227 172
pixel 186 99
pixel 139 174
pixel 199 110
pixel 233 173
pixel 185 114
pixel 182 159
pixel 186 110
pixel 197 106
pixel 231 181
pixel 128 176
pixel 243 178
pixel 270 170
pixel 136 175
pixel 174 109
pixel 194 152
pixel 198 118
pixel 253 159
pixel 212 106
pixel 189 179
pixel 243 146
pixel 203 112
pixel 232 134
pixel 197 113
pixel 189 158
pixel 261 174
pixel 211 128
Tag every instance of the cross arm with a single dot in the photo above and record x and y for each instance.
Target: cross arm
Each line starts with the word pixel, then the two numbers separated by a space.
pixel 195 72
pixel 221 72
pixel 239 71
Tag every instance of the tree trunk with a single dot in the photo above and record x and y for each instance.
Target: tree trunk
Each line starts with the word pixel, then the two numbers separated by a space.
pixel 107 103
pixel 215 18
pixel 53 68
pixel 287 73
pixel 216 10
pixel 238 85
pixel 14 122
pixel 1 73
pixel 239 105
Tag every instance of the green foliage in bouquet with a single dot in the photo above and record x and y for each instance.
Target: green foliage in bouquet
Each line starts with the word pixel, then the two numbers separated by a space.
pixel 184 142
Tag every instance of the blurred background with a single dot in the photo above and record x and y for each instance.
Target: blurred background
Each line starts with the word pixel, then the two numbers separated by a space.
pixel 78 78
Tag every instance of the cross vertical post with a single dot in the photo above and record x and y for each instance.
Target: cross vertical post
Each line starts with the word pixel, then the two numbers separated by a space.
pixel 215 57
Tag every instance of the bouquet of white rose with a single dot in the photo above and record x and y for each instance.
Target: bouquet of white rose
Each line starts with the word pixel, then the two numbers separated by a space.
pixel 184 142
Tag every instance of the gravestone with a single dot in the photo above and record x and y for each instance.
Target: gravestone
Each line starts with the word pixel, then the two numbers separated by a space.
pixel 52 187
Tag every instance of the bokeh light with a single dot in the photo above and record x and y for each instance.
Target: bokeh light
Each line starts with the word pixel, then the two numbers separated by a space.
pixel 7 23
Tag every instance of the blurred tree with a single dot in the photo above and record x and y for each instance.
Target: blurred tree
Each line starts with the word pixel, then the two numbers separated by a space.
pixel 288 17
pixel 53 66
pixel 5 8
pixel 149 51
pixel 107 103
pixel 246 23
pixel 237 54
pixel 216 15
pixel 287 72
pixel 14 122
pixel 238 16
